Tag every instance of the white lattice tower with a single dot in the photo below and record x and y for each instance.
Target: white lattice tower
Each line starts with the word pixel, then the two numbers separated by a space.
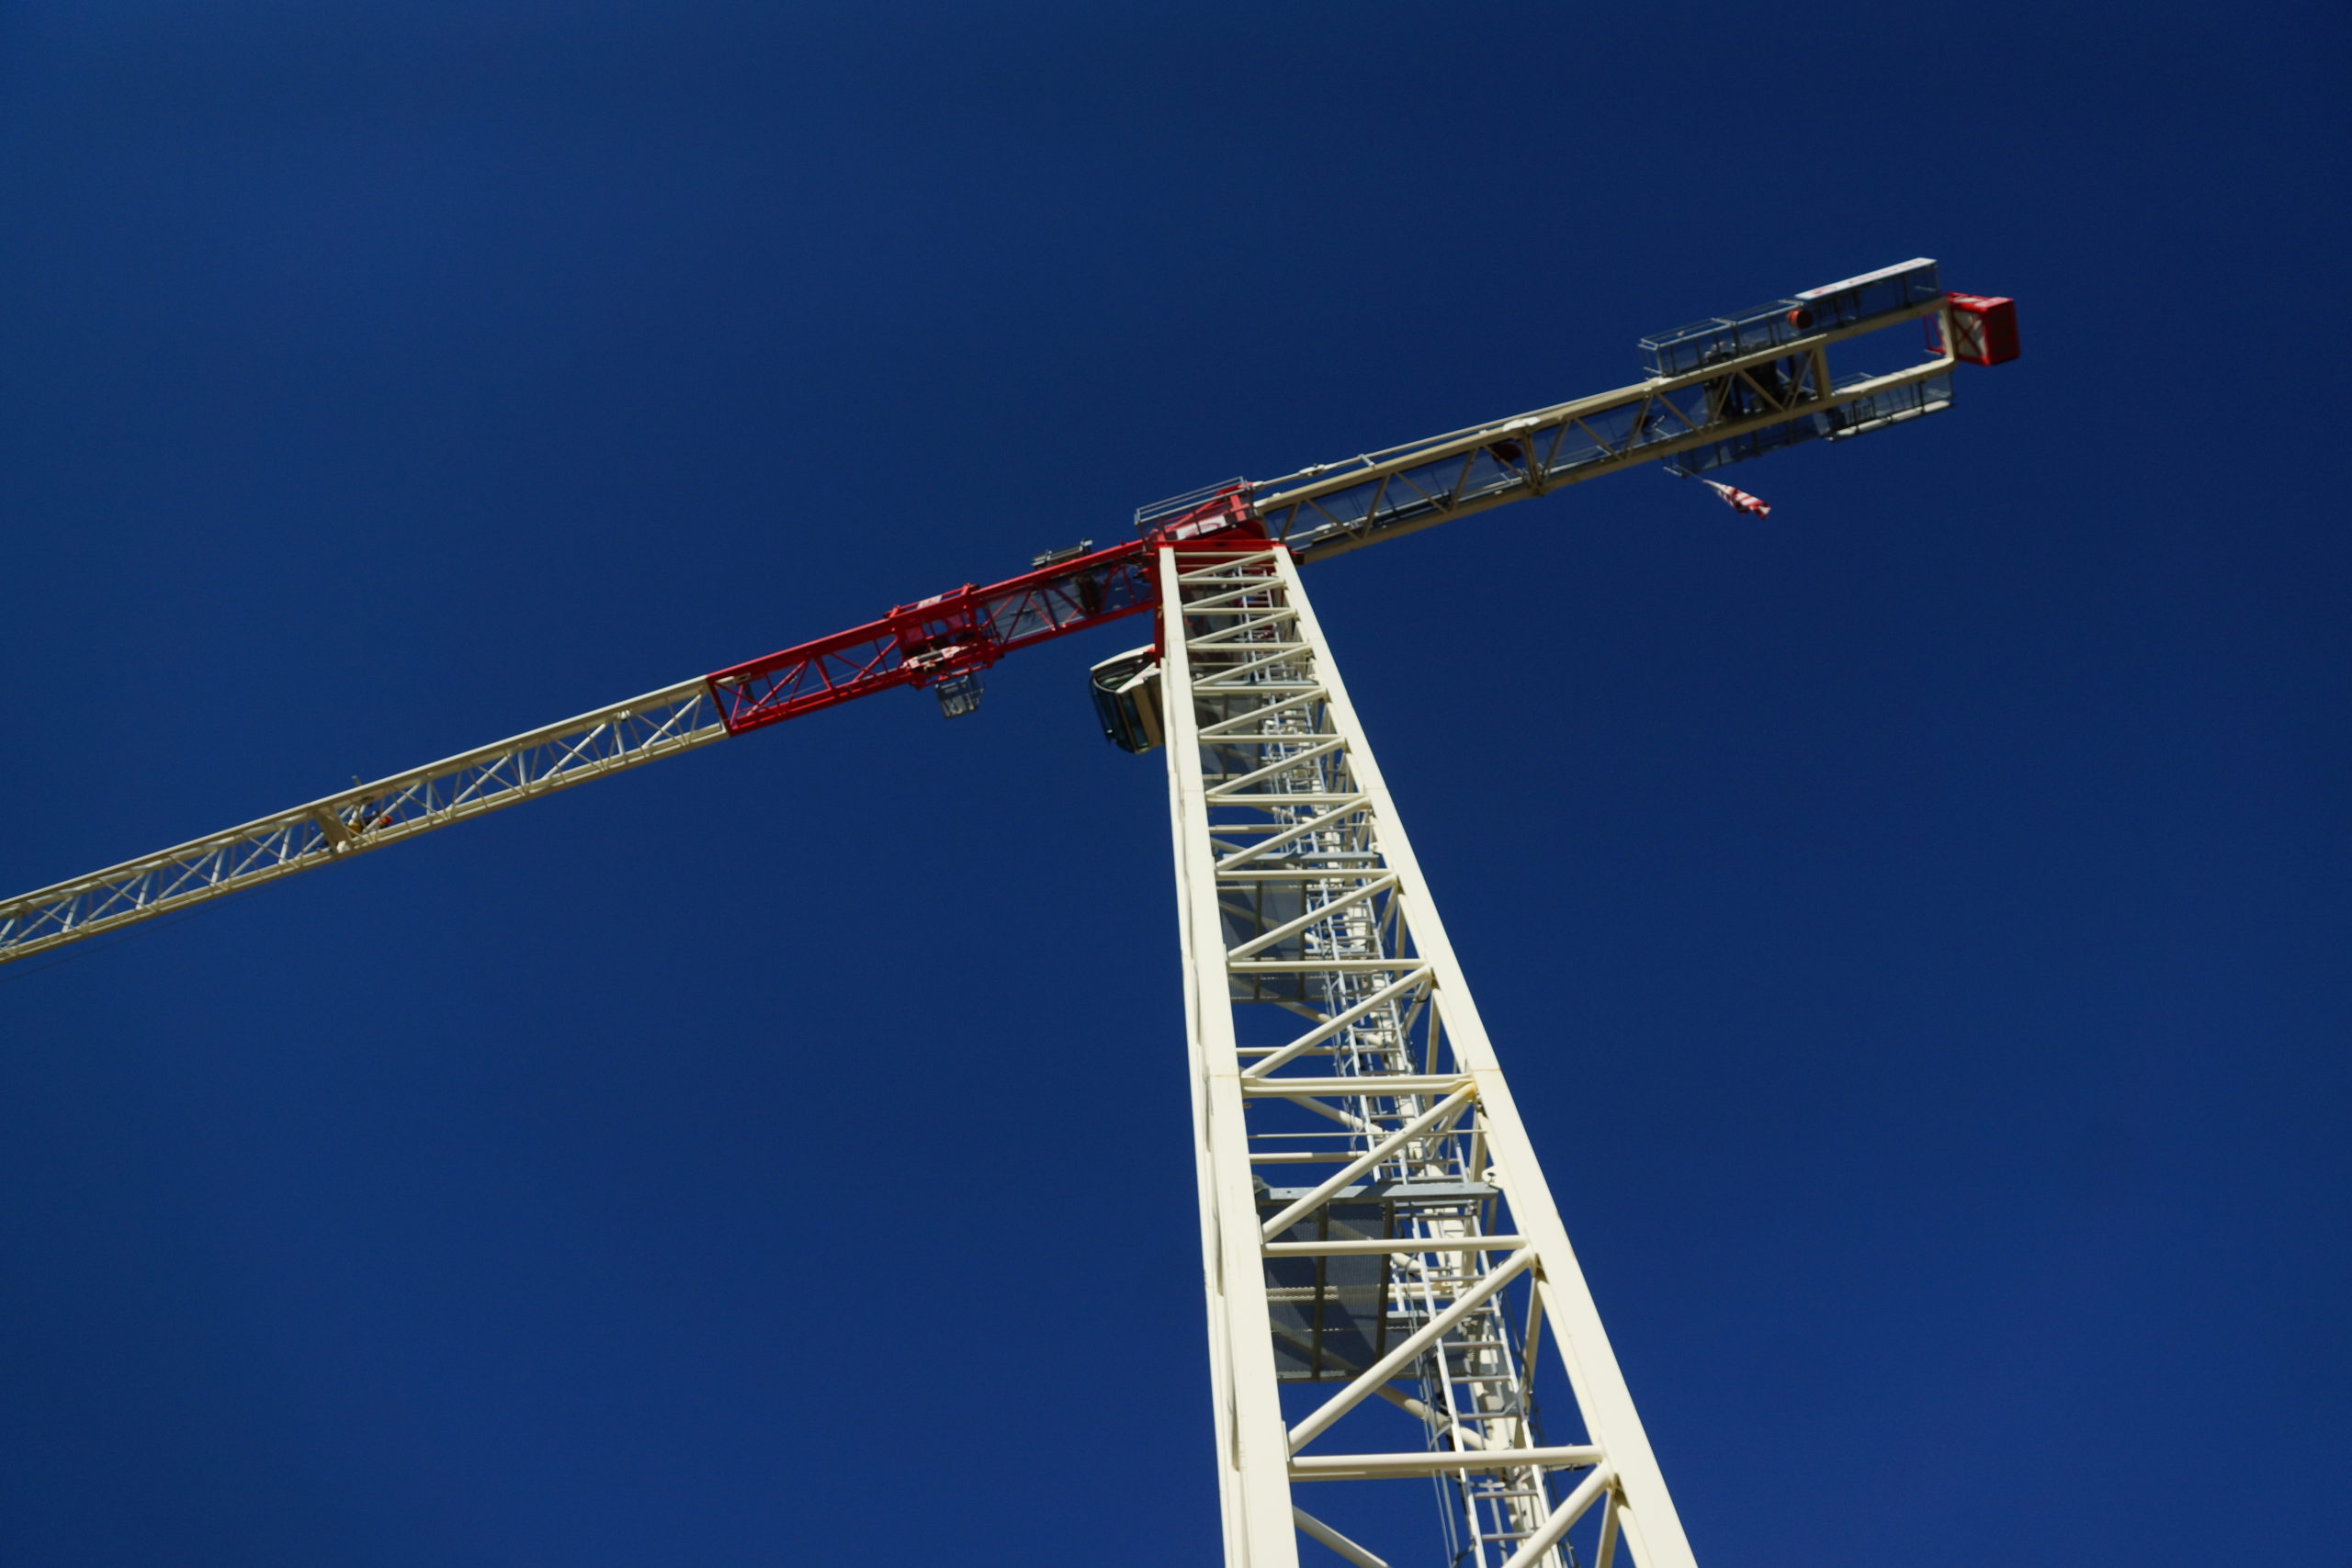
pixel 1377 1235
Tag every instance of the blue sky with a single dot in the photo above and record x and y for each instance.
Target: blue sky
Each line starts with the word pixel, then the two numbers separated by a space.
pixel 1916 926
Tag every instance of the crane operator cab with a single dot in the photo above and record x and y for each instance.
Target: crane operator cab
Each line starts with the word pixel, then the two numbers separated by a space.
pixel 1127 698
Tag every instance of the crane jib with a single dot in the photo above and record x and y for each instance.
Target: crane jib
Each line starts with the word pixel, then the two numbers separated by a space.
pixel 952 635
pixel 937 640
pixel 1721 391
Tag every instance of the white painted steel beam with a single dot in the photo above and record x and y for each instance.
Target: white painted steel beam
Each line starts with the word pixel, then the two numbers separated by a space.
pixel 366 816
pixel 1368 1467
pixel 1536 1547
pixel 1430 1267
pixel 1252 1449
pixel 1316 1529
pixel 1347 1248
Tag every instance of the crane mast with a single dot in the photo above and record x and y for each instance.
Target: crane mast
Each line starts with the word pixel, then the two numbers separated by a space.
pixel 1374 1219
pixel 1392 1298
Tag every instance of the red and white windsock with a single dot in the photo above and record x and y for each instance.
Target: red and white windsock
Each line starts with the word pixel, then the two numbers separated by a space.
pixel 1739 500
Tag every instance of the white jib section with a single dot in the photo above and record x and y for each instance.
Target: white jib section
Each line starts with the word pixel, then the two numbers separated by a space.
pixel 1330 1027
pixel 364 817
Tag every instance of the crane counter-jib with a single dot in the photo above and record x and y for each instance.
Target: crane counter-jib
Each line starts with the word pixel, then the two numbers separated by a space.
pixel 1721 391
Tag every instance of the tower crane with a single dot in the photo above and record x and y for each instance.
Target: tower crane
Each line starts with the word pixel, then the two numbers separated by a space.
pixel 1389 1287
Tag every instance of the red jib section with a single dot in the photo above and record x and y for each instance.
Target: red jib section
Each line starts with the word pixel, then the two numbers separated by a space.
pixel 965 628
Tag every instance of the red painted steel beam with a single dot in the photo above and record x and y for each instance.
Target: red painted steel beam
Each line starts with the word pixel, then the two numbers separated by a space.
pixel 965 628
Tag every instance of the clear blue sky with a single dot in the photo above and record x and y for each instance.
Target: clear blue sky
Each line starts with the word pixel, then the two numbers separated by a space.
pixel 1916 926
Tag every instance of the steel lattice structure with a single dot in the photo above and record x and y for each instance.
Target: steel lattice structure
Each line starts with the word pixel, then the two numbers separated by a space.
pixel 1374 1219
pixel 366 816
pixel 1377 1238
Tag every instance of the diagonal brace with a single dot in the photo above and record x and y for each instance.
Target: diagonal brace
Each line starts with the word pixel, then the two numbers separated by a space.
pixel 1370 1158
pixel 1331 1026
pixel 1534 1548
pixel 1316 1529
pixel 1280 764
pixel 1314 917
pixel 1296 830
pixel 1405 1354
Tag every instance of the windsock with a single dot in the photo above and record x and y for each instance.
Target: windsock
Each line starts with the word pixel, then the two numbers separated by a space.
pixel 1739 500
